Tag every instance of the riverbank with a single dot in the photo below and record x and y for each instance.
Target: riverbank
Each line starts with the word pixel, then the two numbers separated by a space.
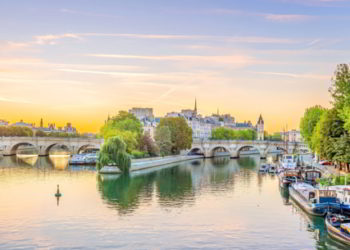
pixel 140 164
pixel 154 162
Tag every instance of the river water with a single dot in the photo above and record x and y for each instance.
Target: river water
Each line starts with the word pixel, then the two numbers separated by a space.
pixel 208 204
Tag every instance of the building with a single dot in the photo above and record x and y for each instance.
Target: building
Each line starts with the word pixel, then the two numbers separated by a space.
pixel 200 129
pixel 292 136
pixel 260 129
pixel 142 113
pixel 4 123
pixel 69 129
pixel 22 124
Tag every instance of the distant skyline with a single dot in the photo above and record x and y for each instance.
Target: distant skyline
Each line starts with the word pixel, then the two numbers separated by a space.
pixel 78 61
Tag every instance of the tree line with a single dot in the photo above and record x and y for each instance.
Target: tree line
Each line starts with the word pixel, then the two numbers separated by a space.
pixel 223 133
pixel 8 131
pixel 327 131
pixel 124 135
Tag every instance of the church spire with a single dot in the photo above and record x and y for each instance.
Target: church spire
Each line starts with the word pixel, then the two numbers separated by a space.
pixel 195 105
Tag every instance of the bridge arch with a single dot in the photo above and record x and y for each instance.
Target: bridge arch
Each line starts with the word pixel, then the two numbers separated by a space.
pixel 88 146
pixel 196 151
pixel 46 151
pixel 247 147
pixel 219 148
pixel 14 148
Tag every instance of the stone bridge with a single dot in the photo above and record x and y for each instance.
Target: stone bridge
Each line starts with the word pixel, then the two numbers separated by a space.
pixel 234 148
pixel 9 145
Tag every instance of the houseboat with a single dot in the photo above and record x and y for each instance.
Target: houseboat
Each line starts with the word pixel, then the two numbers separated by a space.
pixel 343 195
pixel 289 161
pixel 338 227
pixel 310 176
pixel 314 201
pixel 287 177
pixel 83 159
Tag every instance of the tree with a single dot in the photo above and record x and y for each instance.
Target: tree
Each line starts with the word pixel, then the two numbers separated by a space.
pixel 163 140
pixel 308 122
pixel 181 133
pixel 340 89
pixel 223 133
pixel 127 127
pixel 113 152
pixel 147 145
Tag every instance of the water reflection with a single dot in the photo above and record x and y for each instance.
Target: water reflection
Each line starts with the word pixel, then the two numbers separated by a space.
pixel 174 186
pixel 313 224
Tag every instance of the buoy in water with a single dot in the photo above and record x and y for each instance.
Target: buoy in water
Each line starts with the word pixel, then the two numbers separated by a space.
pixel 58 194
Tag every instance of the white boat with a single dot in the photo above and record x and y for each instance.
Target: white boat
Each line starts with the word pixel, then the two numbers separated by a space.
pixel 289 161
pixel 338 227
pixel 288 176
pixel 83 159
pixel 314 201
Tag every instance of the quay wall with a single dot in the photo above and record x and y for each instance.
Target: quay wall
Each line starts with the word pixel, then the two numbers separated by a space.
pixel 140 164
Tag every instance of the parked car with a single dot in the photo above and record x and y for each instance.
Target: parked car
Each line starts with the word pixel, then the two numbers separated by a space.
pixel 326 163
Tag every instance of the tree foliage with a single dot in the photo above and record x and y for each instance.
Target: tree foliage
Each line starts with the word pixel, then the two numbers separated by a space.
pixel 223 133
pixel 163 140
pixel 180 132
pixel 308 123
pixel 15 131
pixel 113 152
pixel 127 127
pixel 148 146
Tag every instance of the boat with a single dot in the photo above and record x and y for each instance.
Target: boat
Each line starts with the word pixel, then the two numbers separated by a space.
pixel 310 176
pixel 343 194
pixel 314 201
pixel 83 159
pixel 272 169
pixel 288 176
pixel 338 227
pixel 264 168
pixel 289 161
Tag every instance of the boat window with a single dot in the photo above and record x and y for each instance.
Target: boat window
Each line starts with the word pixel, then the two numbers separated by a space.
pixel 311 195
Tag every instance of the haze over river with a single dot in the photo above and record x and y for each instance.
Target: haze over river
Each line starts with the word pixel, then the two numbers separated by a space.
pixel 206 204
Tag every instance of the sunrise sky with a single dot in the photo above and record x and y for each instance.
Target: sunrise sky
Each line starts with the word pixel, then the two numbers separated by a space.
pixel 76 61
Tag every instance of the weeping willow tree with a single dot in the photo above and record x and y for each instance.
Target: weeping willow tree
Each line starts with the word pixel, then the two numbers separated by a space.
pixel 113 152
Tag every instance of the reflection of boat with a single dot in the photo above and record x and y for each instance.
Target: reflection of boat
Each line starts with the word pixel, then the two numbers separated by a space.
pixel 314 201
pixel 272 169
pixel 264 168
pixel 338 227
pixel 285 195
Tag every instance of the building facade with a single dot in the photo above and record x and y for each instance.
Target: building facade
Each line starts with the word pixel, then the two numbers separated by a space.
pixel 292 136
pixel 142 113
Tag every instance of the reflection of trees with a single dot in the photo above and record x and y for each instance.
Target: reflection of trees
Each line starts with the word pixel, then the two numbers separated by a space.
pixel 124 192
pixel 174 186
pixel 220 161
pixel 247 162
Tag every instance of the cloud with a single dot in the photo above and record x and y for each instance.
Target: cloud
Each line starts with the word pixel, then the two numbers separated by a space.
pixel 287 17
pixel 293 75
pixel 5 99
pixel 234 60
pixel 120 74
pixel 52 39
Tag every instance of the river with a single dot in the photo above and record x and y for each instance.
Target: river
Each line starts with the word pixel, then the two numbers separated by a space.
pixel 208 204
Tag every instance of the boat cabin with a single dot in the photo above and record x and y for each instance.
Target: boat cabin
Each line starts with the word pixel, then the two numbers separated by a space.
pixel 310 176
